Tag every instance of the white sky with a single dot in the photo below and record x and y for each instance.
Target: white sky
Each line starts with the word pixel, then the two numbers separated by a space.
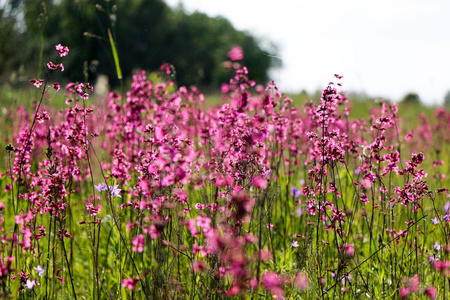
pixel 385 48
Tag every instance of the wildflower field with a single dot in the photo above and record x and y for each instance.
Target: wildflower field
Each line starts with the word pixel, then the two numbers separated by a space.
pixel 153 194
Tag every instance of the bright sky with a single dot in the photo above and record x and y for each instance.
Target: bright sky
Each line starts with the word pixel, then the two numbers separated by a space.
pixel 385 48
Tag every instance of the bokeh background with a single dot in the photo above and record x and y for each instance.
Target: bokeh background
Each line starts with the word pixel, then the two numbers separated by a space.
pixel 385 49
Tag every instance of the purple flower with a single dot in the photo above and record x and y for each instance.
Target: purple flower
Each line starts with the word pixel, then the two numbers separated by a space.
pixel 115 191
pixel 432 259
pixel 40 270
pixel 101 187
pixel 294 244
pixel 437 247
pixel 295 192
pixel 300 211
pixel 435 221
pixel 447 207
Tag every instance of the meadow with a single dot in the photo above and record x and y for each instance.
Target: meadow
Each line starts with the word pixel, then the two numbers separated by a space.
pixel 160 193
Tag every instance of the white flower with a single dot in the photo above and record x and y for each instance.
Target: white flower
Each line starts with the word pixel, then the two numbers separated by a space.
pixel 40 270
pixel 30 284
pixel 294 244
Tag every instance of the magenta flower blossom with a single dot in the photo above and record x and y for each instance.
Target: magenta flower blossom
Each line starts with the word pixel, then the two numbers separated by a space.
pixel 53 66
pixel 272 282
pixel 93 210
pixel 404 293
pixel 138 243
pixel 431 292
pixel 37 83
pixel 62 50
pixel 129 283
pixel 236 53
pixel 56 86
pixel 260 183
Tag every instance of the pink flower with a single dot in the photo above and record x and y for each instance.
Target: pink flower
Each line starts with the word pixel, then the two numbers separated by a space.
pixel 234 290
pixel 192 228
pixel 404 293
pixel 442 266
pixel 225 88
pixel 53 66
pixel 56 86
pixel 138 243
pixel 265 255
pixel 349 249
pixel 260 183
pixel 153 232
pixel 236 53
pixel 62 50
pixel 198 266
pixel 129 283
pixel 301 280
pixel 431 292
pixel 37 83
pixel 200 206
pixel 414 283
pixel 271 282
pixel 166 68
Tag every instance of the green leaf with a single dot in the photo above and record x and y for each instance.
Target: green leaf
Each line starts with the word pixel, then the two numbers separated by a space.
pixel 116 56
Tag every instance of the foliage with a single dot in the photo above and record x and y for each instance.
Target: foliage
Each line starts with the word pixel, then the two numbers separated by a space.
pixel 150 33
pixel 411 99
pixel 447 99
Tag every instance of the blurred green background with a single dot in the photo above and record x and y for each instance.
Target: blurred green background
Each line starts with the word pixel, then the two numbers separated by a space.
pixel 147 34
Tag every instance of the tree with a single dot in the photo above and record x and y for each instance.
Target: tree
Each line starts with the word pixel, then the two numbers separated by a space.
pixel 447 99
pixel 147 33
pixel 411 99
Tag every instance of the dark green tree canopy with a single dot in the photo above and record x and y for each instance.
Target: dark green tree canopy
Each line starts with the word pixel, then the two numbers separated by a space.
pixel 411 99
pixel 447 99
pixel 147 33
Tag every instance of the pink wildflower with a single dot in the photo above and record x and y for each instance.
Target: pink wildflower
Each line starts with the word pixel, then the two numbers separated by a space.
pixel 236 53
pixel 56 86
pixel 129 283
pixel 301 280
pixel 431 292
pixel 138 243
pixel 37 83
pixel 62 50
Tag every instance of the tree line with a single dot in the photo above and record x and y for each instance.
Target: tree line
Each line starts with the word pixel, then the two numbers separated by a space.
pixel 147 33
